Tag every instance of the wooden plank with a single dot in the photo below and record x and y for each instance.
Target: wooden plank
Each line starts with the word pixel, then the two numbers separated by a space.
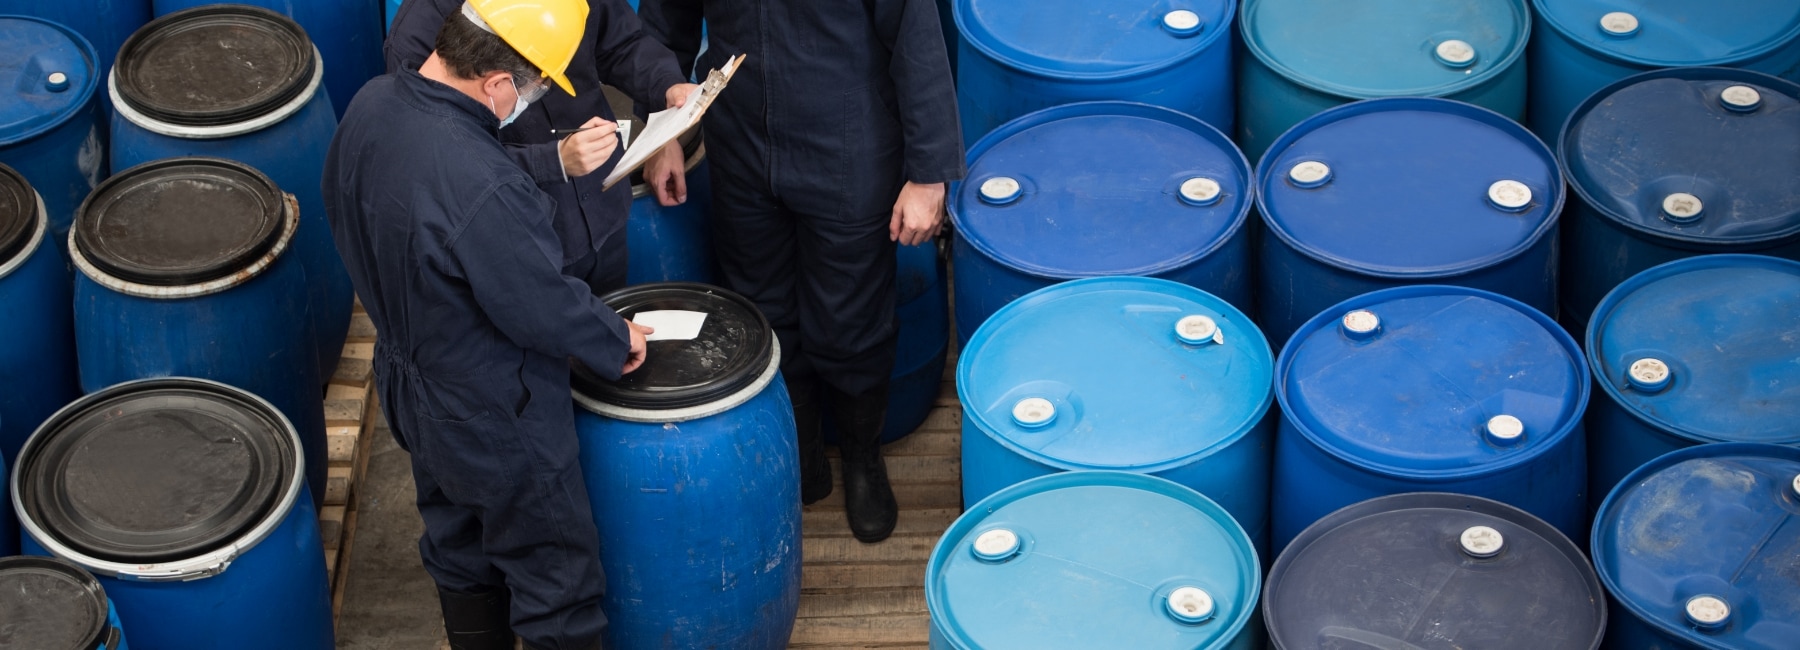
pixel 912 549
pixel 874 602
pixel 364 351
pixel 353 372
pixel 911 470
pixel 861 631
pixel 831 523
pixel 341 443
pixel 340 578
pixel 343 412
pixel 840 577
pixel 331 526
pixel 362 329
pixel 943 418
pixel 947 444
pixel 345 392
pixel 337 485
pixel 910 496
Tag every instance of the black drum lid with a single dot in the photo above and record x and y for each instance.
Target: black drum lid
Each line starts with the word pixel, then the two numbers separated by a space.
pixel 180 221
pixel 50 604
pixel 18 213
pixel 214 65
pixel 732 350
pixel 156 471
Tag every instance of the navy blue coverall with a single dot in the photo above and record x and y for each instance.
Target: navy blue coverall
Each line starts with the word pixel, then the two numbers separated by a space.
pixel 839 104
pixel 589 221
pixel 452 249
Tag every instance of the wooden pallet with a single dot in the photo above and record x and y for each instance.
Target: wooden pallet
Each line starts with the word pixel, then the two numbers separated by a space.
pixel 350 414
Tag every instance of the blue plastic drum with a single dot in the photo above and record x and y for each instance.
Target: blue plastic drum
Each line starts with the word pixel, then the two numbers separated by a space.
pixel 1402 191
pixel 1433 571
pixel 50 129
pixel 693 471
pixel 1585 45
pixel 1017 57
pixel 1094 560
pixel 186 269
pixel 1430 389
pixel 671 243
pixel 37 363
pixel 105 24
pixel 51 604
pixel 1672 164
pixel 1099 189
pixel 1308 56
pixel 1697 549
pixel 348 36
pixel 1691 352
pixel 240 83
pixel 1130 374
pixel 185 498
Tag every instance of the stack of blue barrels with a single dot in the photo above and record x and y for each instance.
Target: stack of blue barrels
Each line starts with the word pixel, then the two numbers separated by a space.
pixel 174 306
pixel 1473 292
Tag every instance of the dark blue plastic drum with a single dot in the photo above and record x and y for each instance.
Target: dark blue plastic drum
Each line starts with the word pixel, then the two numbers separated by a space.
pixel 348 33
pixel 37 363
pixel 50 128
pixel 52 604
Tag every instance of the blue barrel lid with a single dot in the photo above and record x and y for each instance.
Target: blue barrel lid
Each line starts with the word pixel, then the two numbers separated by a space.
pixel 1409 187
pixel 1433 570
pixel 1102 188
pixel 1432 381
pixel 1703 156
pixel 1115 38
pixel 1089 560
pixel 1700 544
pixel 1667 33
pixel 1101 374
pixel 1704 348
pixel 48 73
pixel 1386 48
pixel 51 604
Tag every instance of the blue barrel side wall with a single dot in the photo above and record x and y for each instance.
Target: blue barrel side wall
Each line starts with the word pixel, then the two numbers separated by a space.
pixel 112 621
pixel 1621 443
pixel 1311 483
pixel 104 23
pixel 37 362
pixel 273 595
pixel 1235 475
pixel 984 285
pixel 291 153
pixel 1295 287
pixel 64 163
pixel 923 348
pixel 9 522
pixel 674 243
pixel 990 93
pixel 348 36
pixel 699 525
pixel 1269 104
pixel 249 337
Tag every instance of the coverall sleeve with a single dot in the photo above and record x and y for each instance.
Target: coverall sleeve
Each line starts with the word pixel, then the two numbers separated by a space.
pixel 630 59
pixel 927 99
pixel 675 24
pixel 510 257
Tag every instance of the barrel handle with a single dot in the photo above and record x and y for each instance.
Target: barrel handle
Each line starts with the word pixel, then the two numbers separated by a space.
pixel 1373 640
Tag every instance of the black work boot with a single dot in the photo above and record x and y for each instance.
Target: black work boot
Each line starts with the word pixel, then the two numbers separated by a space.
pixel 477 621
pixel 815 470
pixel 868 499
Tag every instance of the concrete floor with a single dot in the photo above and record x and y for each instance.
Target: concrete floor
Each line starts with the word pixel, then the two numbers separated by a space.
pixel 389 600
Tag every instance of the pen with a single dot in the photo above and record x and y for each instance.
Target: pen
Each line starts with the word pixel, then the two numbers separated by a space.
pixel 568 131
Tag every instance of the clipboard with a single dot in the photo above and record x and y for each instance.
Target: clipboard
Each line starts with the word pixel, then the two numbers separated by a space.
pixel 668 124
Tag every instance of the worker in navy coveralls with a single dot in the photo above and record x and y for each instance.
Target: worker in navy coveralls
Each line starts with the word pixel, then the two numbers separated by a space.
pixel 452 247
pixel 589 221
pixel 834 141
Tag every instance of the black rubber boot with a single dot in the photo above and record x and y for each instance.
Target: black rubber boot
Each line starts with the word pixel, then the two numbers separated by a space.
pixel 478 621
pixel 868 498
pixel 815 470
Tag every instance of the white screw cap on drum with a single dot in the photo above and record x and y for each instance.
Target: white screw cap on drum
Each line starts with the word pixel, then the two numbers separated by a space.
pixel 1511 196
pixel 1742 99
pixel 1361 324
pixel 1619 23
pixel 1797 485
pixel 56 82
pixel 1200 191
pixel 1197 329
pixel 1505 430
pixel 1033 412
pixel 1182 23
pixel 1455 53
pixel 999 190
pixel 1482 542
pixel 1190 605
pixel 1708 612
pixel 995 545
pixel 1682 207
pixel 1310 174
pixel 1648 374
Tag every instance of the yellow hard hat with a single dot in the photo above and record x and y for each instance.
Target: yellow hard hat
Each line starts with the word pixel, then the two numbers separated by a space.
pixel 546 32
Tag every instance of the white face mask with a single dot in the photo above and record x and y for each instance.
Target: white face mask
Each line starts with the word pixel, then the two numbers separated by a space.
pixel 519 105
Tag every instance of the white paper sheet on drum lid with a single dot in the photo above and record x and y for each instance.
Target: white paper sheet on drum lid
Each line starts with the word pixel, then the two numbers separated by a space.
pixel 671 324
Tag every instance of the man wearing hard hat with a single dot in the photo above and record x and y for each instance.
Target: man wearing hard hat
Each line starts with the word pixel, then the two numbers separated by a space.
pixel 452 248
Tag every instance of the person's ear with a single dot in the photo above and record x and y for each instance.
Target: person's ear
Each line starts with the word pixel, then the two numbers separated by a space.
pixel 496 83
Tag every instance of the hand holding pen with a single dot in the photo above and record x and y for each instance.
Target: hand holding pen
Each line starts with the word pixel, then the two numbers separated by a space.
pixel 587 148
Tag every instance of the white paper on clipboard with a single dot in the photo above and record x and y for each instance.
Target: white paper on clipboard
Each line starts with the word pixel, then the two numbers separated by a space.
pixel 668 124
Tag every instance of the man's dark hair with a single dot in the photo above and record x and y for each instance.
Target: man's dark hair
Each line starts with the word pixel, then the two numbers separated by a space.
pixel 471 52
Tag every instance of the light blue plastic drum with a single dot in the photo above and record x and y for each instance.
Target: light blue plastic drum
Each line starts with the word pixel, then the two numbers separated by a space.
pixel 347 34
pixel 692 469
pixel 1584 45
pixel 1692 352
pixel 1096 559
pixel 51 604
pixel 1099 189
pixel 1676 163
pixel 1430 389
pixel 1697 550
pixel 1130 374
pixel 185 498
pixel 50 129
pixel 1019 57
pixel 37 362
pixel 1308 56
pixel 185 268
pixel 241 83
pixel 1404 191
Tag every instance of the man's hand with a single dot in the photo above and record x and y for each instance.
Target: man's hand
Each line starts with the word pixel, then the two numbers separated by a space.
pixel 918 213
pixel 639 347
pixel 585 151
pixel 677 94
pixel 666 173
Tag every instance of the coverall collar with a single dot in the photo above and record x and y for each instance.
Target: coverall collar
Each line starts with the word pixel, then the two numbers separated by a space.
pixel 441 99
